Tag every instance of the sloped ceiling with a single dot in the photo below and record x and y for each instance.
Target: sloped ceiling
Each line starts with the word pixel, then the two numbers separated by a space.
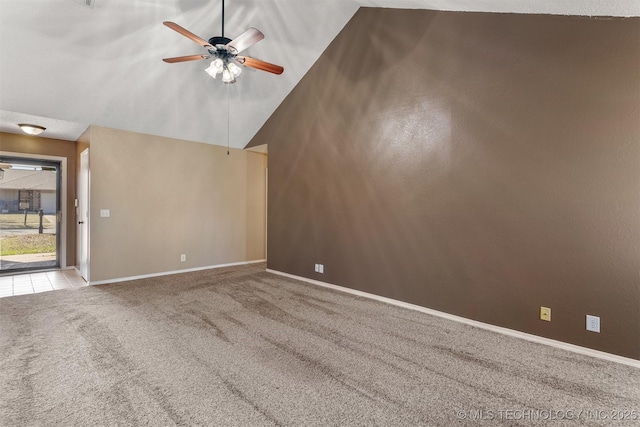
pixel 66 66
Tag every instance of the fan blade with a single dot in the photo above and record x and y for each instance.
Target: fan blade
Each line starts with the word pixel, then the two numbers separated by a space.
pixel 246 39
pixel 186 58
pixel 187 33
pixel 260 65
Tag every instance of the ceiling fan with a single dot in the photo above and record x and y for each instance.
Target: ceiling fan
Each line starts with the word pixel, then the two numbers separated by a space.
pixel 225 52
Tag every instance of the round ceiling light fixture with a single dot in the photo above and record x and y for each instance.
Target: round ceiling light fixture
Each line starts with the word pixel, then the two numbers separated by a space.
pixel 31 129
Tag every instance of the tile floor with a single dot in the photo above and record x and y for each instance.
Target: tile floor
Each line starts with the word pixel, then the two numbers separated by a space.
pixel 31 283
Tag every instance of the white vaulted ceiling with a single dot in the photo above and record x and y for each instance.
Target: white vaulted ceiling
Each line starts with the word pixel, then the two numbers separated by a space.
pixel 67 66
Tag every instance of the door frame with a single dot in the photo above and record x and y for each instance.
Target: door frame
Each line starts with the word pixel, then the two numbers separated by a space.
pixel 83 230
pixel 62 250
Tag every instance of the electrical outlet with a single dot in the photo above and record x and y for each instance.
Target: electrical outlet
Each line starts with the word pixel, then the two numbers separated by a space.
pixel 319 268
pixel 593 323
pixel 183 257
pixel 545 314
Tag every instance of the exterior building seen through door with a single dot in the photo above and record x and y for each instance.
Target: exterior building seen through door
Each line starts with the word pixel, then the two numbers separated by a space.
pixel 29 214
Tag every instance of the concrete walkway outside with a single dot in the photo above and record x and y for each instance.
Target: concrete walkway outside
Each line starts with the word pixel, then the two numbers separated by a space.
pixel 14 262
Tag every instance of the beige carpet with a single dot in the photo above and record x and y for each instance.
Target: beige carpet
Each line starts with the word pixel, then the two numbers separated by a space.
pixel 243 347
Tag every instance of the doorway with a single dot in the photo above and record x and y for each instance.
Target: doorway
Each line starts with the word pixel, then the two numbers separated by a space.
pixel 29 214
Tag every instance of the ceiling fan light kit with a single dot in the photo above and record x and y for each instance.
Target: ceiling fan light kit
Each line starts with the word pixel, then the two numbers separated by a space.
pixel 225 52
pixel 229 70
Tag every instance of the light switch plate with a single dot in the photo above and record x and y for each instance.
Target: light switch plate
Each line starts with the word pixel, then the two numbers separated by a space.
pixel 105 213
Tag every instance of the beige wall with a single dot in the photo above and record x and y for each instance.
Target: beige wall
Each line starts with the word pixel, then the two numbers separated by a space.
pixel 479 164
pixel 169 197
pixel 24 144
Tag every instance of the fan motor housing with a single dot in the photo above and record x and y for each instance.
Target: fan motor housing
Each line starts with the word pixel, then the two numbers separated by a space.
pixel 219 40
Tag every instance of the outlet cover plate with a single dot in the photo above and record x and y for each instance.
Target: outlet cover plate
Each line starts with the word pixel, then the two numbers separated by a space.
pixel 593 323
pixel 545 314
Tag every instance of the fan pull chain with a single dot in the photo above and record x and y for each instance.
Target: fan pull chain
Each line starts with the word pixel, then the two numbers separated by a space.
pixel 228 114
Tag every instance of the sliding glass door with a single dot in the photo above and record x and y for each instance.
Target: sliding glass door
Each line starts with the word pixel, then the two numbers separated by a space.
pixel 29 214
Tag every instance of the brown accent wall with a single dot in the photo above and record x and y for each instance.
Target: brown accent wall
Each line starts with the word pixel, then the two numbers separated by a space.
pixel 23 144
pixel 479 164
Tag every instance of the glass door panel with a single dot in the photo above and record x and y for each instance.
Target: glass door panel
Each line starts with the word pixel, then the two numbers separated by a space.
pixel 29 214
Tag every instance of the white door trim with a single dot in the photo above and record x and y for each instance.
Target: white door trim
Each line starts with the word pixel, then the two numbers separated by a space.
pixel 83 230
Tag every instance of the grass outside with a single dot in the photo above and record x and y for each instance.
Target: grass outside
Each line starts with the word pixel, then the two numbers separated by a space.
pixel 16 221
pixel 27 244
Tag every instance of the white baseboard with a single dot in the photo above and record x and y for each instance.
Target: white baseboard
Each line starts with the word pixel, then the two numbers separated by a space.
pixel 168 273
pixel 510 332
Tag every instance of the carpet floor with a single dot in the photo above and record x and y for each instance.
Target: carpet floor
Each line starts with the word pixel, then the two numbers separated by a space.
pixel 243 347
